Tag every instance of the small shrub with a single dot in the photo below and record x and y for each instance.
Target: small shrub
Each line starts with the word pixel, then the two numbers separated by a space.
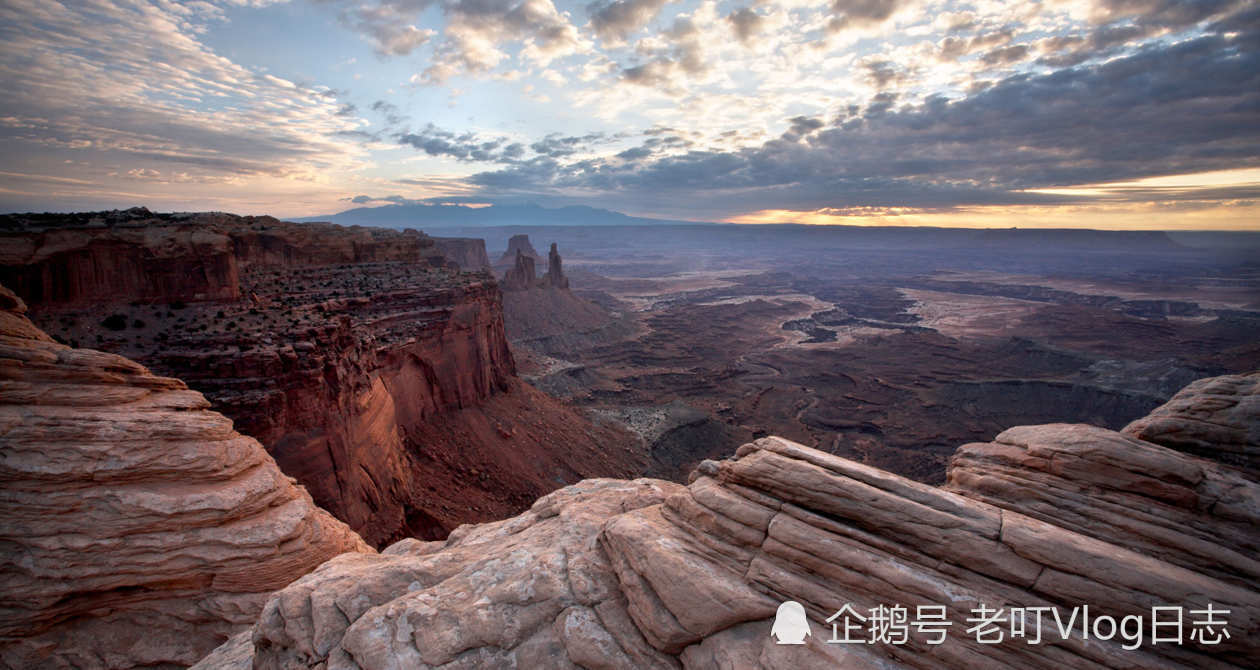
pixel 115 322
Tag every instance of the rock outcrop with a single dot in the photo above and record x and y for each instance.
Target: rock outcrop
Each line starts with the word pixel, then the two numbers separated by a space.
pixel 648 574
pixel 518 244
pixel 138 528
pixel 555 272
pixel 123 256
pixel 467 252
pixel 522 276
pixel 1217 418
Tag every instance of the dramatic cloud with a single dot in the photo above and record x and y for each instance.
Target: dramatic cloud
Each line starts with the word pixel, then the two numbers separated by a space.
pixel 1183 109
pixel 705 109
pixel 463 146
pixel 388 26
pixel 476 36
pixel 126 91
pixel 861 13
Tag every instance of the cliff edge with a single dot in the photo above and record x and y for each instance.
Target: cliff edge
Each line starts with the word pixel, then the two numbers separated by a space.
pixel 370 370
pixel 650 574
pixel 138 528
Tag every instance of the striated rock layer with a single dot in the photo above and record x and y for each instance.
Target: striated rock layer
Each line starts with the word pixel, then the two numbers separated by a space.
pixel 649 574
pixel 1217 418
pixel 522 275
pixel 138 528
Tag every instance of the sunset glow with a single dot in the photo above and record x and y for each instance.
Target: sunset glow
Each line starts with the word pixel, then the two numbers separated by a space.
pixel 1094 113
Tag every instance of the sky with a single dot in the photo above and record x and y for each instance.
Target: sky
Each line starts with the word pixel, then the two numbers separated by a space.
pixel 1062 113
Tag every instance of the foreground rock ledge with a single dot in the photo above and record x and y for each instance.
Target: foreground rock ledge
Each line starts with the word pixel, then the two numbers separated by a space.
pixel 138 528
pixel 650 574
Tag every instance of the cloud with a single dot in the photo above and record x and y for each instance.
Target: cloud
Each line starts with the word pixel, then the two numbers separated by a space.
pixel 390 199
pixel 800 127
pixel 476 35
pixel 467 146
pixel 1185 108
pixel 556 145
pixel 1005 55
pixel 614 21
pixel 131 85
pixel 388 27
pixel 861 13
pixel 746 23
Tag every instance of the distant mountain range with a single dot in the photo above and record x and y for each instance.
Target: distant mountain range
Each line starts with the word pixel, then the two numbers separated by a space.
pixel 425 216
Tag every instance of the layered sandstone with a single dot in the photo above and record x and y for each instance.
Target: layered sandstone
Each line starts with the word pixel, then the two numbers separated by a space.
pixel 555 270
pixel 139 529
pixel 648 574
pixel 521 276
pixel 1216 418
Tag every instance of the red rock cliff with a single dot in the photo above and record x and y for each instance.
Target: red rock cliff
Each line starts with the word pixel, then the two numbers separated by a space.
pixel 121 256
pixel 382 381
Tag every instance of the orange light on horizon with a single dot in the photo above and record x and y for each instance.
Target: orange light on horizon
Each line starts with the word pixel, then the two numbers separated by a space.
pixel 1103 216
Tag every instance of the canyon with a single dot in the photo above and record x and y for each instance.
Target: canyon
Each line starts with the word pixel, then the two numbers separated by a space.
pixel 885 346
pixel 177 533
pixel 549 460
pixel 652 574
pixel 372 372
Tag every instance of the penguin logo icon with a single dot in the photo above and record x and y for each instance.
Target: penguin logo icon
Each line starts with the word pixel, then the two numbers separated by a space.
pixel 790 624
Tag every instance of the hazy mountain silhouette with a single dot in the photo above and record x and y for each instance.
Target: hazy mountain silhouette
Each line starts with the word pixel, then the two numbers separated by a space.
pixel 420 215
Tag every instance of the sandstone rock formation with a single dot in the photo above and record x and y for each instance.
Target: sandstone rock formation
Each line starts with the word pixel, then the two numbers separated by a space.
pixel 555 273
pixel 467 252
pixel 521 244
pixel 121 256
pixel 648 574
pixel 1216 418
pixel 521 277
pixel 138 528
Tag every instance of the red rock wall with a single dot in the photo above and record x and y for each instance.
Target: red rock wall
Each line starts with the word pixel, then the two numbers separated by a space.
pixel 76 266
pixel 164 258
pixel 336 407
pixel 372 374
